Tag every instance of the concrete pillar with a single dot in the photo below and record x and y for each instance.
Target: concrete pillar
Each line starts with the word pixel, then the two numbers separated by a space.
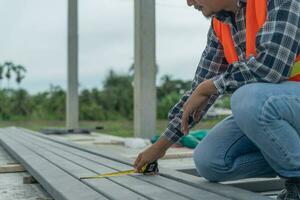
pixel 72 106
pixel 144 69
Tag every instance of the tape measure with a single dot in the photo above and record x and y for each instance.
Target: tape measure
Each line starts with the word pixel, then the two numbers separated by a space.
pixel 148 169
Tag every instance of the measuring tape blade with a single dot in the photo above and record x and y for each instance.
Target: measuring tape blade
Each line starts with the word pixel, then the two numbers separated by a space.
pixel 110 174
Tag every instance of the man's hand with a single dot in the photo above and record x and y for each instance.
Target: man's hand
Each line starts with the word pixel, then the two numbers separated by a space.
pixel 154 152
pixel 196 102
pixel 149 155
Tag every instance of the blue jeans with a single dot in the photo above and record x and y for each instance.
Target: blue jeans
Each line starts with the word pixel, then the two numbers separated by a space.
pixel 260 139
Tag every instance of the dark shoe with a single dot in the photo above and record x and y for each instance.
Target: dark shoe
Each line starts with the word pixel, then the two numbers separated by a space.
pixel 291 190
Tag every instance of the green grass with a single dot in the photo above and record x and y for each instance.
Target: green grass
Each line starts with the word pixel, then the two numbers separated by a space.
pixel 122 128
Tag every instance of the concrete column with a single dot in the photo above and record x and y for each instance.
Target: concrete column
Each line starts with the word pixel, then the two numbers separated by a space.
pixel 144 69
pixel 72 105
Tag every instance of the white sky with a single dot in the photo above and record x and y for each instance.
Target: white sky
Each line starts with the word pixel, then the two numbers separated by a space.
pixel 34 34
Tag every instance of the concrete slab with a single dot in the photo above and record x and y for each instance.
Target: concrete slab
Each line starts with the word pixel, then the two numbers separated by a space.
pixel 12 188
pixel 5 158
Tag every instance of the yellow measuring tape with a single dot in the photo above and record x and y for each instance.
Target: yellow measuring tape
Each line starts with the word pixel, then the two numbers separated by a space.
pixel 151 168
pixel 109 174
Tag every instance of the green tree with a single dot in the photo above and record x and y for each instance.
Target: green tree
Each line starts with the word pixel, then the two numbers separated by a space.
pixel 20 104
pixel 56 103
pixel 9 66
pixel 40 103
pixel 20 71
pixel 118 96
pixel 168 86
pixel 90 109
pixel 5 107
pixel 1 73
pixel 166 103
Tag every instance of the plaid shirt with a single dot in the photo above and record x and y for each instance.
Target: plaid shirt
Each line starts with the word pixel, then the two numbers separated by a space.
pixel 276 46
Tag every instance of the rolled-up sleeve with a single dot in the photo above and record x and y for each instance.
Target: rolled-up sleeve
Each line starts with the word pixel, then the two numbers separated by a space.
pixel 212 63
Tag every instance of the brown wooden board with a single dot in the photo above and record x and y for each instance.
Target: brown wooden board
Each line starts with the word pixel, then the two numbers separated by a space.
pixel 11 168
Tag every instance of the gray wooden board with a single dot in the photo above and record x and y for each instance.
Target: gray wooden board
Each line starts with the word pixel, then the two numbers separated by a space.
pixel 223 190
pixel 58 184
pixel 228 191
pixel 157 181
pixel 153 192
pixel 106 187
pixel 259 184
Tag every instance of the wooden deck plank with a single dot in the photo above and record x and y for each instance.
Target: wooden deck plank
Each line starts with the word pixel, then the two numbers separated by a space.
pixel 58 184
pixel 259 184
pixel 157 181
pixel 128 183
pixel 169 184
pixel 106 187
pixel 222 190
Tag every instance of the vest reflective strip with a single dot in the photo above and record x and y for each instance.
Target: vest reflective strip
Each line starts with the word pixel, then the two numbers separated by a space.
pixel 295 75
pixel 295 78
pixel 224 35
pixel 256 12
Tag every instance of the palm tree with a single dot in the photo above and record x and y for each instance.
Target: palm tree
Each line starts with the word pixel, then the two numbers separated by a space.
pixel 166 78
pixel 19 70
pixel 9 67
pixel 1 73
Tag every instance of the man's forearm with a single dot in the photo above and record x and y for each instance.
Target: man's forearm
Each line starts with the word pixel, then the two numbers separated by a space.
pixel 163 144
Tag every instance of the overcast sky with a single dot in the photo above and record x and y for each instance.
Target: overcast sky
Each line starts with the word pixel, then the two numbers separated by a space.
pixel 33 34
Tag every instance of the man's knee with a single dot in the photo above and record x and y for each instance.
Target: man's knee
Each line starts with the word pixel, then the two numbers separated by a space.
pixel 205 167
pixel 243 99
pixel 246 103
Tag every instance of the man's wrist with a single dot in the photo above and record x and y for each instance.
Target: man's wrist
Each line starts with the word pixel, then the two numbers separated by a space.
pixel 219 83
pixel 207 88
pixel 163 144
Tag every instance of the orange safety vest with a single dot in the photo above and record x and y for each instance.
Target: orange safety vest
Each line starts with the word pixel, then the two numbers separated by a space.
pixel 255 18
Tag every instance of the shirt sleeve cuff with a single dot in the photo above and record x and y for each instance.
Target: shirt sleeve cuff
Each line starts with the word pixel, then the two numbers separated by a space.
pixel 172 132
pixel 171 136
pixel 220 84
